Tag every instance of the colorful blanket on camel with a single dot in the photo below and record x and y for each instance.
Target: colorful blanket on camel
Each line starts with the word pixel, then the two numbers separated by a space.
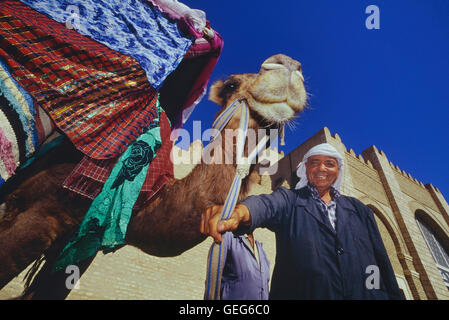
pixel 132 27
pixel 95 95
pixel 106 222
pixel 89 176
pixel 24 126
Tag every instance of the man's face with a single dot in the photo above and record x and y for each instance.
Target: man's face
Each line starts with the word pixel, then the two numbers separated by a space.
pixel 322 171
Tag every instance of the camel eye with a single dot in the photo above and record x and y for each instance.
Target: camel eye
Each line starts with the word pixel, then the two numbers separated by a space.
pixel 229 87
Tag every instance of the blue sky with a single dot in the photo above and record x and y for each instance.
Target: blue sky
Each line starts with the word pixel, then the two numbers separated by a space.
pixel 386 87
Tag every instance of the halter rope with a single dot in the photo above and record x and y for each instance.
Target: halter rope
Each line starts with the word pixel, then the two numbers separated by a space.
pixel 215 256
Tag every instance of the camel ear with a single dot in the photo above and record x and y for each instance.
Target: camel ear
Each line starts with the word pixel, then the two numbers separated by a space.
pixel 214 93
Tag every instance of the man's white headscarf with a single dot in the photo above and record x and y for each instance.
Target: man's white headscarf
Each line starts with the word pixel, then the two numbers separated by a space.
pixel 324 149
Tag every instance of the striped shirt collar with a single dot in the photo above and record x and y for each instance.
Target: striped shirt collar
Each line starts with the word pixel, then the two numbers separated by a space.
pixel 314 192
pixel 328 210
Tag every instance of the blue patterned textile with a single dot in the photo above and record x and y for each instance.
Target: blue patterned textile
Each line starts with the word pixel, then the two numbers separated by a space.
pixel 132 27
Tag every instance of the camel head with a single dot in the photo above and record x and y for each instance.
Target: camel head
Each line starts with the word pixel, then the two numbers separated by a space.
pixel 275 95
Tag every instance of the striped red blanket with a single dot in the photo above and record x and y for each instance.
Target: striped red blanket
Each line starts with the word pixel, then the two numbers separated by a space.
pixel 98 97
pixel 89 175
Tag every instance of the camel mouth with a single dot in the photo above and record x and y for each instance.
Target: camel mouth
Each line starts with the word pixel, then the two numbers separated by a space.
pixel 285 96
pixel 273 112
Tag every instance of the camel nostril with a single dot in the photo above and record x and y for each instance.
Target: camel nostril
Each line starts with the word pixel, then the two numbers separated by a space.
pixel 281 61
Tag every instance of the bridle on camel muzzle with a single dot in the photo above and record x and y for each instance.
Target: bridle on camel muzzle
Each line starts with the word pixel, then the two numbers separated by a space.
pixel 216 252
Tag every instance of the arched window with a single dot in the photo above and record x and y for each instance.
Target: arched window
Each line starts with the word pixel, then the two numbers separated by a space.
pixel 439 253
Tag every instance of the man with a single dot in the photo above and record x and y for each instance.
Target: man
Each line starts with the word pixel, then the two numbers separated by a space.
pixel 328 245
pixel 246 270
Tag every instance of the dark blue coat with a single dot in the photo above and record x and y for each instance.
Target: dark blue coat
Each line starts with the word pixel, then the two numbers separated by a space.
pixel 315 262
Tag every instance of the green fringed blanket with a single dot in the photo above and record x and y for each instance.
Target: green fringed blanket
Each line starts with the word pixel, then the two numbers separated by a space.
pixel 105 224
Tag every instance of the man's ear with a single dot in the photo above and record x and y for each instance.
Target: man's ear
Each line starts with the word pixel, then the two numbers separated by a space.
pixel 214 93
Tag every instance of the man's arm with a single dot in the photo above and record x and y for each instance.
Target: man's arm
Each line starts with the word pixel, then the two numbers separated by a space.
pixel 256 211
pixel 212 226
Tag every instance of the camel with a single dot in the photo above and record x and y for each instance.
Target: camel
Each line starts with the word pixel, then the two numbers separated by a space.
pixel 40 216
